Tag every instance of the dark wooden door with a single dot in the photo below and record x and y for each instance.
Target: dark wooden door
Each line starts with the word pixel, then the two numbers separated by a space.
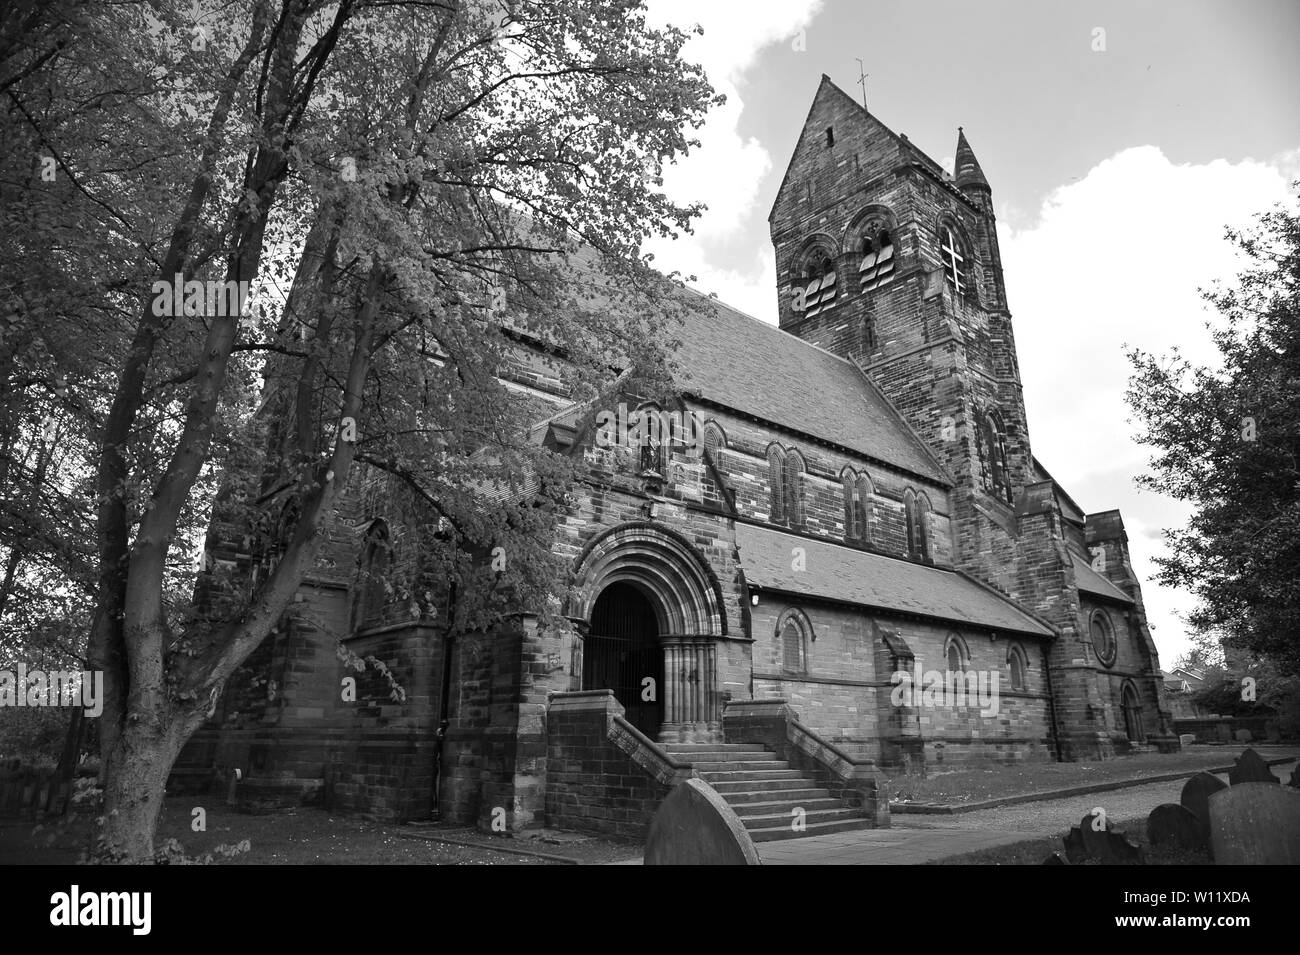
pixel 622 652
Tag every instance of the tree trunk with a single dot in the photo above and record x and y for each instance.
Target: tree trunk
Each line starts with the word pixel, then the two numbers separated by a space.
pixel 135 785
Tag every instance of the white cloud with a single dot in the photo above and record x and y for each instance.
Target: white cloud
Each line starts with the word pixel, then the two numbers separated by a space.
pixel 727 169
pixel 1117 259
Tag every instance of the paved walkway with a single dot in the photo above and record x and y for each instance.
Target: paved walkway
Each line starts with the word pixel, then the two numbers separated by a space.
pixel 916 839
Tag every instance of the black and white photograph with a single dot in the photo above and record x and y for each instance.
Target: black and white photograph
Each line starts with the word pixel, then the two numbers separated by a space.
pixel 560 433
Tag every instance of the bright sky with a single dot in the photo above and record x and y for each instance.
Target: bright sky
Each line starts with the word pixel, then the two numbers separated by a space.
pixel 1120 139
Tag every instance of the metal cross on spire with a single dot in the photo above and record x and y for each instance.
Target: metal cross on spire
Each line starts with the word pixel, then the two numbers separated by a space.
pixel 862 81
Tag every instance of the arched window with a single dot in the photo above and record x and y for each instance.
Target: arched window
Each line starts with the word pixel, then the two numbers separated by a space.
pixel 818 284
pixel 877 250
pixel 857 505
pixel 794 633
pixel 955 263
pixel 955 654
pixel 868 336
pixel 865 512
pixel 373 584
pixel 715 439
pixel 794 470
pixel 1103 638
pixel 1131 707
pixel 909 520
pixel 922 527
pixel 776 484
pixel 993 456
pixel 916 509
pixel 849 481
pixel 1017 665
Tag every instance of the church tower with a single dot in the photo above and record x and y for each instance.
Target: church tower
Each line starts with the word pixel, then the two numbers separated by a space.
pixel 888 260
pixel 885 259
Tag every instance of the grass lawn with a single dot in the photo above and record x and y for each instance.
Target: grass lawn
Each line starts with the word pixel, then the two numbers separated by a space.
pixel 977 783
pixel 306 837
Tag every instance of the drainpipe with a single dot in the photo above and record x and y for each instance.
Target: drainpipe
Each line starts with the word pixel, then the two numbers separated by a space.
pixel 444 702
pixel 1051 706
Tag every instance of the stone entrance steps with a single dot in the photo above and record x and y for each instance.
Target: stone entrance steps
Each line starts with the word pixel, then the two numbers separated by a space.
pixel 764 791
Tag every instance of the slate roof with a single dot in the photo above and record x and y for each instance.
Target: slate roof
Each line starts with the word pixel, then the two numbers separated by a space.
pixel 750 366
pixel 870 580
pixel 1091 582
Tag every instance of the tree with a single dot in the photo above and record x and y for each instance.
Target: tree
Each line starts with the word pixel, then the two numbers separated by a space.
pixel 1227 441
pixel 423 181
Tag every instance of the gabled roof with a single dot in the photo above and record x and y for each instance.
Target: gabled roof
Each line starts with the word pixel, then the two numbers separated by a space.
pixel 747 365
pixel 1091 582
pixel 907 150
pixel 741 363
pixel 849 575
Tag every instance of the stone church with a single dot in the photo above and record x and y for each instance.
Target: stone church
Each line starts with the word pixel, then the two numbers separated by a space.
pixel 859 509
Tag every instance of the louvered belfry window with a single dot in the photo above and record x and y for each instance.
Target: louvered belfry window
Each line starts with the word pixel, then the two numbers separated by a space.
pixel 877 266
pixel 819 287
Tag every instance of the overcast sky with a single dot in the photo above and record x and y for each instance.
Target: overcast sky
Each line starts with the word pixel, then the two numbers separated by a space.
pixel 1120 138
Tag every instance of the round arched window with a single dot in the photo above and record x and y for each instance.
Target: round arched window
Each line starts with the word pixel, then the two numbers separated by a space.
pixel 1016 663
pixel 955 654
pixel 1103 638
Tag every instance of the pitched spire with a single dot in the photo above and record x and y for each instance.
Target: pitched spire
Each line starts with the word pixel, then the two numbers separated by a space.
pixel 966 168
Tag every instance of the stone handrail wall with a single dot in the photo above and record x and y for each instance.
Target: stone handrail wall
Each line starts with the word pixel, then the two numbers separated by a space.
pixel 603 774
pixel 647 754
pixel 774 724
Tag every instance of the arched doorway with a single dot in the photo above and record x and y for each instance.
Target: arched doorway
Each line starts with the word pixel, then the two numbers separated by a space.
pixel 622 653
pixel 1131 706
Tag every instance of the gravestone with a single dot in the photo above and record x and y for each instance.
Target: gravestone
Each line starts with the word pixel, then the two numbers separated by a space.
pixel 1176 826
pixel 695 826
pixel 1105 845
pixel 1195 797
pixel 1251 768
pixel 1244 736
pixel 1186 739
pixel 1255 824
pixel 1074 850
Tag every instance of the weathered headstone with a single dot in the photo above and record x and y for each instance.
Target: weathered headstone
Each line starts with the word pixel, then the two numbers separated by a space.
pixel 695 826
pixel 1106 845
pixel 1251 768
pixel 1195 797
pixel 1244 736
pixel 1186 739
pixel 1255 824
pixel 1170 824
pixel 1074 850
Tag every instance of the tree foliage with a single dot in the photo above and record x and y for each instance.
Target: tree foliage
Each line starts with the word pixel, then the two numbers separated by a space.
pixel 1227 441
pixel 405 189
